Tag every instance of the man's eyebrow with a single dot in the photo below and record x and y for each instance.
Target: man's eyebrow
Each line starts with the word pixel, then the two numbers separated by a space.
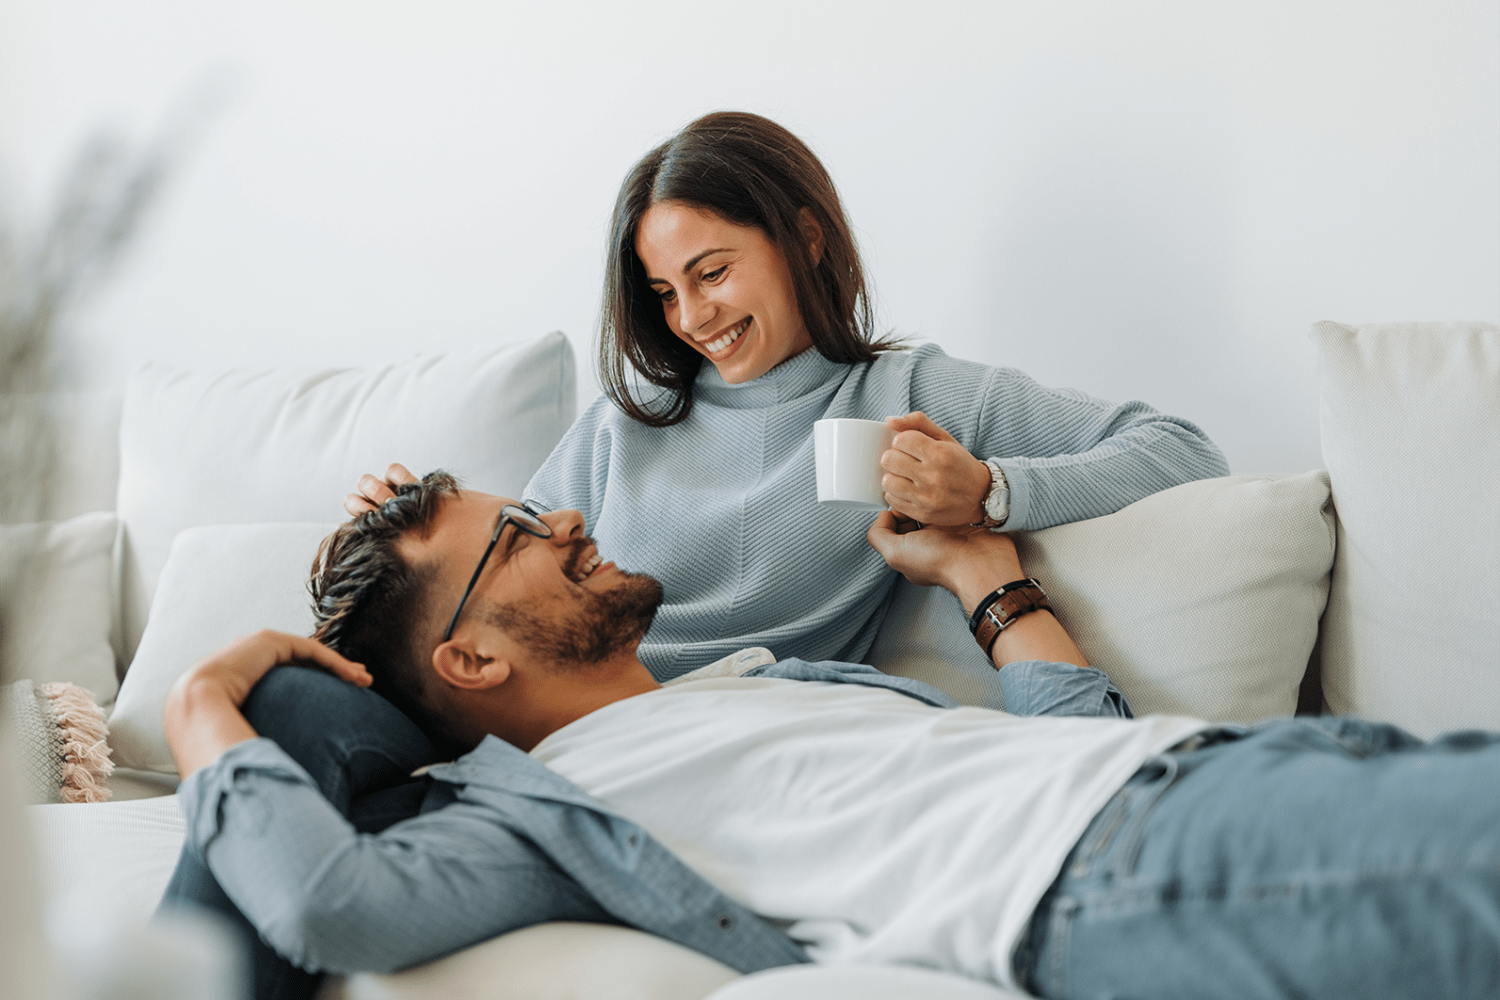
pixel 501 551
pixel 692 263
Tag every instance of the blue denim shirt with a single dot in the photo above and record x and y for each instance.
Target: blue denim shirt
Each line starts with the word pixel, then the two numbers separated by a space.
pixel 501 843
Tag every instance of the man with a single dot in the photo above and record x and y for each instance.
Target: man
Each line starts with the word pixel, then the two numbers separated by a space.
pixel 802 809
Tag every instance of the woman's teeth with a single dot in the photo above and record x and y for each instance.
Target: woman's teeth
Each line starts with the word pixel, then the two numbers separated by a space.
pixel 715 346
pixel 588 567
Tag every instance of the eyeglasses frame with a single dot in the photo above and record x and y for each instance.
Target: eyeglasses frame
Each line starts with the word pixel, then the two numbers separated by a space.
pixel 507 516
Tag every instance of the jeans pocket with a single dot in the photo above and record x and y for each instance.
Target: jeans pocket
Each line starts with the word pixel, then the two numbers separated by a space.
pixel 1111 844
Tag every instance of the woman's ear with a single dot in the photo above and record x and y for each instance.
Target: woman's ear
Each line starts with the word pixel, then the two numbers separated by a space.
pixel 812 233
pixel 460 664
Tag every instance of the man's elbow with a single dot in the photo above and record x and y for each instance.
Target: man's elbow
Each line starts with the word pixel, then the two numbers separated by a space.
pixel 328 927
pixel 318 939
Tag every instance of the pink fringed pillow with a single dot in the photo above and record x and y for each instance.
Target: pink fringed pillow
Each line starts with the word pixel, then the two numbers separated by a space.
pixel 62 738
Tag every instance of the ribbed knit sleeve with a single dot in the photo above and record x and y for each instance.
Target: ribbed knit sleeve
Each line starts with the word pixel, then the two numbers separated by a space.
pixel 1067 456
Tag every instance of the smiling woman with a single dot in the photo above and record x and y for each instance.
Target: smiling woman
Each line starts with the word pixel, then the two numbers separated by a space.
pixel 736 190
pixel 725 289
pixel 735 315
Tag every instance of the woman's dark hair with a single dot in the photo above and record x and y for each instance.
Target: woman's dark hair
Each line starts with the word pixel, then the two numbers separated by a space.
pixel 752 172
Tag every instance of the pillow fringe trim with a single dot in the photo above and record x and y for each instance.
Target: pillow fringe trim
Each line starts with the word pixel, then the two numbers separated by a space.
pixel 84 734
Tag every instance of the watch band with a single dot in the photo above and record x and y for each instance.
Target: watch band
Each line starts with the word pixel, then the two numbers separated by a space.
pixel 996 506
pixel 1002 607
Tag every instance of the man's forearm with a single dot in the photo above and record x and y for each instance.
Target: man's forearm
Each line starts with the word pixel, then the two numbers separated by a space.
pixel 202 718
pixel 1036 636
pixel 202 721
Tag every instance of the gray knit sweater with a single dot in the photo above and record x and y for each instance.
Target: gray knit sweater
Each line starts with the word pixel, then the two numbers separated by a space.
pixel 722 508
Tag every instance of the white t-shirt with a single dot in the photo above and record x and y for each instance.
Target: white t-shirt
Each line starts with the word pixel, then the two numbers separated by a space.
pixel 871 827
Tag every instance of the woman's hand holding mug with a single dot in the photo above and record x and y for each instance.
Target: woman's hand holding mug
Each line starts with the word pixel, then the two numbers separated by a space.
pixel 930 477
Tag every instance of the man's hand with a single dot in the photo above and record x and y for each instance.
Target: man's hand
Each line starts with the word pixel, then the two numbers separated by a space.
pixel 202 716
pixel 968 562
pixel 930 477
pixel 372 492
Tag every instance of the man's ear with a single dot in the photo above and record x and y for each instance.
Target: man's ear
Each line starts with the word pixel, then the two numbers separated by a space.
pixel 812 233
pixel 462 664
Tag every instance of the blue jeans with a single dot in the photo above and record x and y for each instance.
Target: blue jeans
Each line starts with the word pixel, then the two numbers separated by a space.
pixel 359 748
pixel 1308 857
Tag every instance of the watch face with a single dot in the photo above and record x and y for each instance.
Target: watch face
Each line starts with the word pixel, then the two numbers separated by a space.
pixel 997 505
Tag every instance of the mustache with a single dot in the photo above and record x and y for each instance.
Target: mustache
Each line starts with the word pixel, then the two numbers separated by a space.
pixel 576 551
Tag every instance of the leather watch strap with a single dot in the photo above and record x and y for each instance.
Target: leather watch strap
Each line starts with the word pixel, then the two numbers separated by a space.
pixel 1001 608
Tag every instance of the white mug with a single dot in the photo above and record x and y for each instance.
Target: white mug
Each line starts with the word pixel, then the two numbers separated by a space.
pixel 848 459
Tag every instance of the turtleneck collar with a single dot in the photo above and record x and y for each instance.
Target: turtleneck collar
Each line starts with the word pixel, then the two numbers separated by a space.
pixel 795 377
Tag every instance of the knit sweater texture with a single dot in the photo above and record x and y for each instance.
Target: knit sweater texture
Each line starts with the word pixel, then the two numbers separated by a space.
pixel 722 508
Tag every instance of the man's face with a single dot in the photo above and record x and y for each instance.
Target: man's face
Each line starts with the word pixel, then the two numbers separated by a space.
pixel 554 596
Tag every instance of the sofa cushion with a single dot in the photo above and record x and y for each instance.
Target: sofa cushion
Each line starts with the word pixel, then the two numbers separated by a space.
pixel 62 622
pixel 859 982
pixel 555 961
pixel 1410 417
pixel 1202 600
pixel 220 582
pixel 250 445
pixel 107 859
pixel 61 739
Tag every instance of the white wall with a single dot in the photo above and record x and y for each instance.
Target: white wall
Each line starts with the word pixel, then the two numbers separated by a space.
pixel 1148 199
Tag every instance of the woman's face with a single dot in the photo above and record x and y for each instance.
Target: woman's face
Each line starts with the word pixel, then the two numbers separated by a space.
pixel 724 288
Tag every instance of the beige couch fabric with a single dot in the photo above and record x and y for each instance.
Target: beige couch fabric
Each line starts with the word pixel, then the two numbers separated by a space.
pixel 250 445
pixel 1410 416
pixel 556 961
pixel 63 622
pixel 221 581
pixel 1202 600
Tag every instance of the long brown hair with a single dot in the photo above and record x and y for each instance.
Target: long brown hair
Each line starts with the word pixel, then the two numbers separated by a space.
pixel 752 172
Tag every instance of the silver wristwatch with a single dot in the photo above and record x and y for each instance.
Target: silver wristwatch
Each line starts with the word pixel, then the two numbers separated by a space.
pixel 997 504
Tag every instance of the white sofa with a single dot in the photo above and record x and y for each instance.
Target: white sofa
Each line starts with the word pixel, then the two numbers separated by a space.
pixel 1372 587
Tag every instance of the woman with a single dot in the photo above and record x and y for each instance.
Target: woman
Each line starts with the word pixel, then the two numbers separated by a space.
pixel 729 246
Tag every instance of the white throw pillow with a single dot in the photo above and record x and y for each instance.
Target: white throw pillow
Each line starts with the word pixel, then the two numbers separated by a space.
pixel 1410 416
pixel 1202 600
pixel 61 627
pixel 250 445
pixel 220 582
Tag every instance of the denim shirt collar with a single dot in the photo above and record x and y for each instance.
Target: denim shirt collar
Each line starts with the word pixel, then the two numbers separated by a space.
pixel 498 766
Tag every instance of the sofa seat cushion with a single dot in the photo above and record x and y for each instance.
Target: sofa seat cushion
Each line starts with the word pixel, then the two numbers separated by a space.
pixel 859 982
pixel 110 860
pixel 556 961
pixel 1410 419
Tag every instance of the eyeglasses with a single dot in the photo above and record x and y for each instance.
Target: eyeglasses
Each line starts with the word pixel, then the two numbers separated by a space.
pixel 525 519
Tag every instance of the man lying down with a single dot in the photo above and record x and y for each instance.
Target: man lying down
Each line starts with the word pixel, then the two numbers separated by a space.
pixel 799 811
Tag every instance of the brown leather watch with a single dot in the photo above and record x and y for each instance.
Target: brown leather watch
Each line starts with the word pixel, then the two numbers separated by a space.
pixel 1002 607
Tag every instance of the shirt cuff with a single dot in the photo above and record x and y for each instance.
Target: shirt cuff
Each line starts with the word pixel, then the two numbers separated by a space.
pixel 1038 687
pixel 201 794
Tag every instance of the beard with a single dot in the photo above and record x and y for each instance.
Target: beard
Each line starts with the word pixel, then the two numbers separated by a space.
pixel 602 625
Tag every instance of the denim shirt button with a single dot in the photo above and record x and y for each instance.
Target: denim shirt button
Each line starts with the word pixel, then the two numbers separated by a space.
pixel 725 923
pixel 633 840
